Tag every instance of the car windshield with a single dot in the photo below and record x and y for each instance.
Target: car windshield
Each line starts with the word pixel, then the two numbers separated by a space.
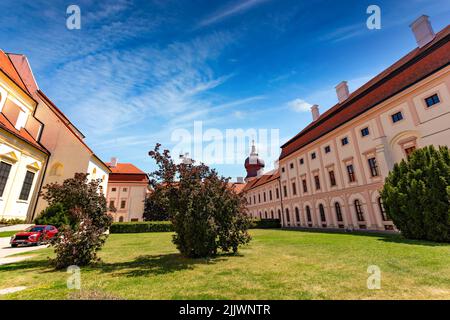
pixel 35 229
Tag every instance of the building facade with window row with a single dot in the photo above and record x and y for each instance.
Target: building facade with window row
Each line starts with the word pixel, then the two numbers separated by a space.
pixel 127 190
pixel 330 174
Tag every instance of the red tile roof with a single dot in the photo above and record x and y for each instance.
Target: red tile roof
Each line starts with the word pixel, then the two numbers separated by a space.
pixel 8 68
pixel 416 65
pixel 125 168
pixel 261 180
pixel 22 134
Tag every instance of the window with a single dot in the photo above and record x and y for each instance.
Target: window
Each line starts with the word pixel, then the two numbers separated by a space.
pixel 265 214
pixel 322 213
pixel 409 150
pixel 373 167
pixel 351 173
pixel 271 214
pixel 382 211
pixel 305 186
pixel 270 195
pixel 26 187
pixel 297 215
pixel 282 169
pixel 313 155
pixel 121 219
pixel 254 199
pixel 317 181
pixel 365 132
pixel 302 161
pixel 124 189
pixel 134 220
pixel 111 204
pixel 264 195
pixel 327 149
pixel 113 189
pixel 292 165
pixel 337 208
pixel 358 210
pixel 259 198
pixel 285 191
pixel 396 117
pixel 308 214
pixel 430 101
pixel 278 193
pixel 294 189
pixel 249 200
pixel 344 141
pixel 5 168
pixel 123 204
pixel 288 219
pixel 332 178
pixel 279 214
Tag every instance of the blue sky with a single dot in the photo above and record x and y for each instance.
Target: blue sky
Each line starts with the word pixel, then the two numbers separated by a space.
pixel 138 70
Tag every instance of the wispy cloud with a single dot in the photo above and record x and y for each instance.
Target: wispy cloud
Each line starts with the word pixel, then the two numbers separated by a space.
pixel 229 11
pixel 299 105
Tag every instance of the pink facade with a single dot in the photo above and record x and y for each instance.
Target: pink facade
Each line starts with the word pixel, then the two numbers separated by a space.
pixel 330 174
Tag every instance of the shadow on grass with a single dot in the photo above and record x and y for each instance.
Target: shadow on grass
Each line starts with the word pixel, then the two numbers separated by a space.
pixel 382 236
pixel 43 264
pixel 158 264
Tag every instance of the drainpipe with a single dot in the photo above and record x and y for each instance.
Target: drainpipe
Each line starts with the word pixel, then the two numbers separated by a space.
pixel 281 203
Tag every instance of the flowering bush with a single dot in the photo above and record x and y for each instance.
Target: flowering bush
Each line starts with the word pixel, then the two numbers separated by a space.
pixel 87 220
pixel 207 215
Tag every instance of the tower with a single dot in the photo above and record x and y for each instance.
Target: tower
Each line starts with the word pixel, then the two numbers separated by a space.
pixel 253 164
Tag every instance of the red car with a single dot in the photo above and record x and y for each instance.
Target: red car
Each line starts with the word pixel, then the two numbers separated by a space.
pixel 34 235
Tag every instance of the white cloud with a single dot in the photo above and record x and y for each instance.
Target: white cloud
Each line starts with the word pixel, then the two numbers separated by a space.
pixel 299 105
pixel 230 11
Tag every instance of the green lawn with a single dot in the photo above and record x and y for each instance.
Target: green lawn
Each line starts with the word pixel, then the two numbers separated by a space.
pixel 7 233
pixel 277 264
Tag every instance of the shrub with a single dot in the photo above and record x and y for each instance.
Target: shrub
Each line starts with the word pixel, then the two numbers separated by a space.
pixel 155 205
pixel 207 215
pixel 416 195
pixel 10 222
pixel 265 224
pixel 78 242
pixel 54 215
pixel 139 227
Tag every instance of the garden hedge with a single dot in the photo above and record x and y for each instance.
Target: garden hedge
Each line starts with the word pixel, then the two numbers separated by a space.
pixel 265 224
pixel 140 227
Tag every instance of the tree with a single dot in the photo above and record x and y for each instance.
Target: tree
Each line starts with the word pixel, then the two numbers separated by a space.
pixel 54 215
pixel 206 213
pixel 79 240
pixel 155 205
pixel 416 195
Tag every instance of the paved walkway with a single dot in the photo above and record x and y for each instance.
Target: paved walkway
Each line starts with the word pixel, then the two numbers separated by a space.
pixel 16 227
pixel 6 250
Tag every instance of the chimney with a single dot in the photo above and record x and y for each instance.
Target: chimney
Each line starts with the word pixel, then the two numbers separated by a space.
pixel 315 112
pixel 422 30
pixel 113 162
pixel 342 91
pixel 240 179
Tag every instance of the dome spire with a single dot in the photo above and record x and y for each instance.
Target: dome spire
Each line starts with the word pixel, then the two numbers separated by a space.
pixel 253 164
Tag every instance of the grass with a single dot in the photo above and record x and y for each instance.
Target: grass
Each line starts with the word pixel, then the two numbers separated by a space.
pixel 277 264
pixel 7 233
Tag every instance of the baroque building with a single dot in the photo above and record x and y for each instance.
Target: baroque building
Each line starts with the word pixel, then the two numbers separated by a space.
pixel 330 173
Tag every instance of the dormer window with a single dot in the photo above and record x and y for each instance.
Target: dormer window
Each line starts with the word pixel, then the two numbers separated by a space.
pixel 431 101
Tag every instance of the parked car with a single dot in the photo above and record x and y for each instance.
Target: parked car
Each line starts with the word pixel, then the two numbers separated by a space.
pixel 35 235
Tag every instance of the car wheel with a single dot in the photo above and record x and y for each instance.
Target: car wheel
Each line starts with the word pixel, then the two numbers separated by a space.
pixel 14 246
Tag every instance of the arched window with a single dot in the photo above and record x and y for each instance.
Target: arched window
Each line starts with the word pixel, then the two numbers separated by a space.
pixel 297 215
pixel 288 219
pixel 271 214
pixel 382 211
pixel 121 219
pixel 265 214
pixel 279 214
pixel 337 207
pixel 308 214
pixel 322 213
pixel 359 210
